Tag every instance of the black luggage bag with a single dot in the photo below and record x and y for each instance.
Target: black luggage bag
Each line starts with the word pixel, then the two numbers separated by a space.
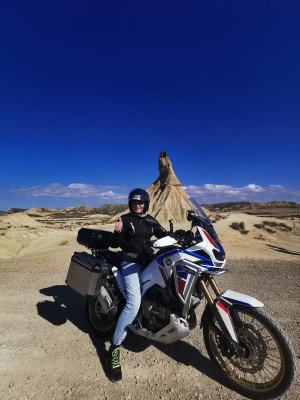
pixel 94 238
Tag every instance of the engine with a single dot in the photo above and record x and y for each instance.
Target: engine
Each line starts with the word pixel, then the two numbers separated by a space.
pixel 155 316
pixel 157 307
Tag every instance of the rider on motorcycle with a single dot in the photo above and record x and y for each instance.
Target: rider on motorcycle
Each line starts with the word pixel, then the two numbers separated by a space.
pixel 132 234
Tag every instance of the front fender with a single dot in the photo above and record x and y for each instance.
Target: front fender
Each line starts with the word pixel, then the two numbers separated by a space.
pixel 240 298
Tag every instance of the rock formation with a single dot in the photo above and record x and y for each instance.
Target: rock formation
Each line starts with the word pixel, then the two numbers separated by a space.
pixel 168 198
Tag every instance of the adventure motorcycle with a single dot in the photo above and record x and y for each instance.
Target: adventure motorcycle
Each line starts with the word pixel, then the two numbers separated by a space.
pixel 245 343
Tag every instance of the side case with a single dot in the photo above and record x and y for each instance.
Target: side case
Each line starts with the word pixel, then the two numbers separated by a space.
pixel 86 274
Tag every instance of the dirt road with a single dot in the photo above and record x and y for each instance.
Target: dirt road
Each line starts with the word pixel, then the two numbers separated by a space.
pixel 49 352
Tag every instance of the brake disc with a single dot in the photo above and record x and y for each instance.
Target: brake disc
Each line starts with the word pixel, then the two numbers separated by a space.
pixel 255 348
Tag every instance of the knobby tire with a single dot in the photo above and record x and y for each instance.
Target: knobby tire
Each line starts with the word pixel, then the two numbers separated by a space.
pixel 268 368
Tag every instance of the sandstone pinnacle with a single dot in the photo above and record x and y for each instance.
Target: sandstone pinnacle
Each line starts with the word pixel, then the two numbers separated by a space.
pixel 168 198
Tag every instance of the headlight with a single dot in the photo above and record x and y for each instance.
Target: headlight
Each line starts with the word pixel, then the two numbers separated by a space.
pixel 218 255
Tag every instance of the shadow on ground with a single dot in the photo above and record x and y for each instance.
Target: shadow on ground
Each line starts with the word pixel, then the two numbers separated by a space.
pixel 282 250
pixel 181 352
pixel 69 306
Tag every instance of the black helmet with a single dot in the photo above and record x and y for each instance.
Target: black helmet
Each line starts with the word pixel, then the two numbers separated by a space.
pixel 139 195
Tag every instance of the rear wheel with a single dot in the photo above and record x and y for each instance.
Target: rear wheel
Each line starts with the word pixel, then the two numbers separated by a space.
pixel 267 368
pixel 103 323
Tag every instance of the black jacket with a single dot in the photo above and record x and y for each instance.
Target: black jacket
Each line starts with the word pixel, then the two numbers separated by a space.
pixel 134 240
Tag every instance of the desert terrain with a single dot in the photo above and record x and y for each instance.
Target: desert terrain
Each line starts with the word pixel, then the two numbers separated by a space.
pixel 48 350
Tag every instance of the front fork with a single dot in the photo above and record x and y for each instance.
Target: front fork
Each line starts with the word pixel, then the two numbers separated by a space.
pixel 220 313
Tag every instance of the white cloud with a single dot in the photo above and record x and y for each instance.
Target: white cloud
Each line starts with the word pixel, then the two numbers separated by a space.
pixel 77 190
pixel 205 194
pixel 255 188
pixel 212 193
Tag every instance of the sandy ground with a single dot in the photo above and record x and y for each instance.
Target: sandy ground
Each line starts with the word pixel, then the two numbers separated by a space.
pixel 274 239
pixel 48 350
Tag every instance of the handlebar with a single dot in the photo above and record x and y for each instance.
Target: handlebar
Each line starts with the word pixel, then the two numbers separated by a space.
pixel 184 238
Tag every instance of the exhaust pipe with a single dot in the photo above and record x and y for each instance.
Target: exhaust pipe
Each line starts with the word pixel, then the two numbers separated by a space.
pixel 105 300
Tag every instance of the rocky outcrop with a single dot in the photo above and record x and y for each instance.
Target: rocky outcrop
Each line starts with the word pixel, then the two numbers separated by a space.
pixel 168 198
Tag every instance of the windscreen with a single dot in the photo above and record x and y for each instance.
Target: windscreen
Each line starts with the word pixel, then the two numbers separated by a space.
pixel 203 221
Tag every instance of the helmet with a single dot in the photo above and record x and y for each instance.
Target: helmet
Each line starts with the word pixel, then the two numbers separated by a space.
pixel 139 195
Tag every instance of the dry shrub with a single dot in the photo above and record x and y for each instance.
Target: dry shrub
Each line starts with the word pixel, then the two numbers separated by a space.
pixel 217 217
pixel 267 225
pixel 259 226
pixel 269 230
pixel 259 237
pixel 281 226
pixel 239 226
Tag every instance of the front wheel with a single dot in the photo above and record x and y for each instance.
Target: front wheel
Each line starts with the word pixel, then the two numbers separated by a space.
pixel 267 368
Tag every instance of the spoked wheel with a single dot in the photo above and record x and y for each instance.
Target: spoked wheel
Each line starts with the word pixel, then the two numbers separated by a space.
pixel 267 368
pixel 103 323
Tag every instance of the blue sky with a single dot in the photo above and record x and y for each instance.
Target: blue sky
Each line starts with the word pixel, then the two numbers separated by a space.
pixel 92 92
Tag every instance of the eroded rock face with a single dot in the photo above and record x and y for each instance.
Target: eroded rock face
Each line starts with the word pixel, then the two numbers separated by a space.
pixel 168 198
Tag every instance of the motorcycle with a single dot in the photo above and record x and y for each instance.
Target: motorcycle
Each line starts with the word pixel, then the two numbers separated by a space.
pixel 245 343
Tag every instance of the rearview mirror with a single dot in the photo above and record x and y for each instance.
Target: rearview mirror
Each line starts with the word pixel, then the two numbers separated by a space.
pixel 190 214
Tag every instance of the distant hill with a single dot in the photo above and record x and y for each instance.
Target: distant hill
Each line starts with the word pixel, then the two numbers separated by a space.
pixel 15 210
pixel 252 206
pixel 112 209
pixel 107 209
pixel 115 209
pixel 79 211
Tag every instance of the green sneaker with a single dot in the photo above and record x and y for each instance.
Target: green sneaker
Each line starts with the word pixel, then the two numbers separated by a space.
pixel 114 371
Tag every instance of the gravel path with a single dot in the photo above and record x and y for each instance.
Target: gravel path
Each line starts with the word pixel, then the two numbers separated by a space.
pixel 49 352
